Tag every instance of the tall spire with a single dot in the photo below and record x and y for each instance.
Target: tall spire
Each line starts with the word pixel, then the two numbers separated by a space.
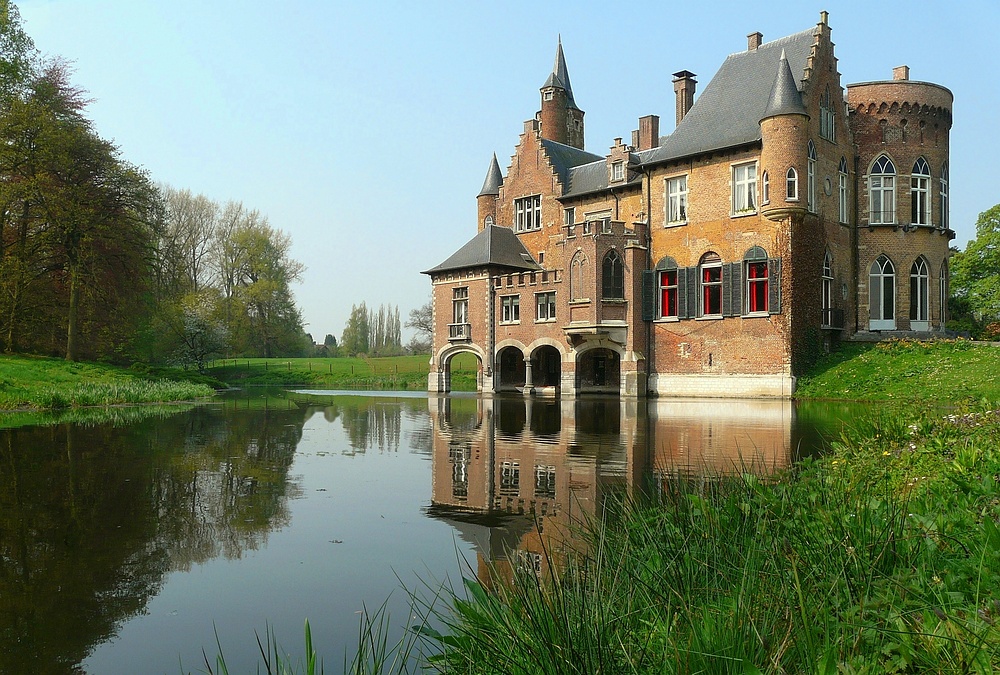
pixel 785 98
pixel 494 179
pixel 560 76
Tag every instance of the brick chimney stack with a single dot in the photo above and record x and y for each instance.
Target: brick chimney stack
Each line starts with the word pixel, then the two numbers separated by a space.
pixel 754 40
pixel 901 73
pixel 649 132
pixel 684 84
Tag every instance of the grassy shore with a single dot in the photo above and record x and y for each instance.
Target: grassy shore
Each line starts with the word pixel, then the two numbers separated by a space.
pixel 943 371
pixel 34 383
pixel 391 372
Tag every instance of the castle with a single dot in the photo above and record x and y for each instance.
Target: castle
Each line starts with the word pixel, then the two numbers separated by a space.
pixel 784 213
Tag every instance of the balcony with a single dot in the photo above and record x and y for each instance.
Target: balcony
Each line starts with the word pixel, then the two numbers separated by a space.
pixel 832 318
pixel 459 332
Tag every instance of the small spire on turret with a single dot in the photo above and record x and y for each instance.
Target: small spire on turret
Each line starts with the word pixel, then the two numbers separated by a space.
pixel 494 179
pixel 560 76
pixel 785 98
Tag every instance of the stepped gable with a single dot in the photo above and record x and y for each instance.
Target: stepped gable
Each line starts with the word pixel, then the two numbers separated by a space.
pixel 492 247
pixel 729 110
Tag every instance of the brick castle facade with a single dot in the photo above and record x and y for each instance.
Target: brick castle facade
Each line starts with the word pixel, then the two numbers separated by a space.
pixel 784 213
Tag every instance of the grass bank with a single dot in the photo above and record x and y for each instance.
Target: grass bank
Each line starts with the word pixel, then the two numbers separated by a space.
pixel 942 371
pixel 391 372
pixel 33 383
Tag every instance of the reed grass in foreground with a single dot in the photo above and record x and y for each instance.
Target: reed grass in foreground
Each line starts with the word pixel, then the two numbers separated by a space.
pixel 884 557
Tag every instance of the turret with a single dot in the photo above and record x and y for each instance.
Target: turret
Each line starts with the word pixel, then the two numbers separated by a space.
pixel 785 135
pixel 561 119
pixel 487 198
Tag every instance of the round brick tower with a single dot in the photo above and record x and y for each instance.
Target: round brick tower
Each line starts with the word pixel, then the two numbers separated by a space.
pixel 901 128
pixel 784 131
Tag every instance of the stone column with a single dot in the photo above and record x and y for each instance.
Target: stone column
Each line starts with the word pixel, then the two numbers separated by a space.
pixel 529 383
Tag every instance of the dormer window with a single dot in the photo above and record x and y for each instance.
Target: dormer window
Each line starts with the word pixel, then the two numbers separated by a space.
pixel 618 171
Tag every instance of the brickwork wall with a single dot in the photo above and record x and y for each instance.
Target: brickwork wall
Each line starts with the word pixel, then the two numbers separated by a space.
pixel 904 120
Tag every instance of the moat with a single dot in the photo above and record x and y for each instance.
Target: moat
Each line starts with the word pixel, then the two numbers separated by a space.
pixel 135 541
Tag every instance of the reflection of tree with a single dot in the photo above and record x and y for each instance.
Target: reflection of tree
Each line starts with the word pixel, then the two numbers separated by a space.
pixel 92 518
pixel 371 424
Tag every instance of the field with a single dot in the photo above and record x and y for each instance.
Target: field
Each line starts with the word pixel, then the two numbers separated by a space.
pixel 393 372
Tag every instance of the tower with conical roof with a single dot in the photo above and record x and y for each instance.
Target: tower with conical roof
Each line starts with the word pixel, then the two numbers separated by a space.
pixel 487 197
pixel 784 131
pixel 560 118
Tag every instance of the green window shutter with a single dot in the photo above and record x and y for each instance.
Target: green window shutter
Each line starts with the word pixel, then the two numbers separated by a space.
pixel 694 310
pixel 774 286
pixel 737 280
pixel 648 295
pixel 682 299
pixel 727 289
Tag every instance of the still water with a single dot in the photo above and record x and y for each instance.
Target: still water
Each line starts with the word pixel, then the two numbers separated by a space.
pixel 128 541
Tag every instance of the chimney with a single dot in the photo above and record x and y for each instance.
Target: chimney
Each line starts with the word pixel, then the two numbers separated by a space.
pixel 684 83
pixel 649 132
pixel 754 40
pixel 901 73
pixel 635 138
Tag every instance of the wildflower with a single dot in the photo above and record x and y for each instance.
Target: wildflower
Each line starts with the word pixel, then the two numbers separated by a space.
pixel 885 453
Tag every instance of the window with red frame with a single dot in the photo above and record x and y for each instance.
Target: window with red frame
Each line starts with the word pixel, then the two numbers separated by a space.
pixel 757 286
pixel 711 284
pixel 668 293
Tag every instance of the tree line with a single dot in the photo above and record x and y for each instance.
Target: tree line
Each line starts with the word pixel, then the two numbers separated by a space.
pixel 98 262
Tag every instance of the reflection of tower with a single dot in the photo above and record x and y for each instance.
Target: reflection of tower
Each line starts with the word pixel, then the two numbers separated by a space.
pixel 520 480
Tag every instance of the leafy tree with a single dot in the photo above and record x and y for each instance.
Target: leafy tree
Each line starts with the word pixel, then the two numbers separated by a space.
pixel 354 339
pixel 201 334
pixel 976 271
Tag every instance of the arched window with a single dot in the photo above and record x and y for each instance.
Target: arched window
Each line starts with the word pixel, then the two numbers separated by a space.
pixel 943 294
pixel 827 117
pixel 842 191
pixel 613 277
pixel 765 188
pixel 666 275
pixel 710 269
pixel 792 185
pixel 882 192
pixel 882 295
pixel 755 272
pixel 811 177
pixel 827 300
pixel 578 287
pixel 944 196
pixel 920 200
pixel 489 221
pixel 919 287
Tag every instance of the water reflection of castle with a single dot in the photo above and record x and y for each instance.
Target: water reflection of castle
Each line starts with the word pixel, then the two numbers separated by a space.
pixel 516 475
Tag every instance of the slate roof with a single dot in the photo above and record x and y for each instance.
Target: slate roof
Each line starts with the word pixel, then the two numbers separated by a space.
pixel 494 179
pixel 566 157
pixel 559 77
pixel 491 247
pixel 785 97
pixel 729 110
pixel 592 177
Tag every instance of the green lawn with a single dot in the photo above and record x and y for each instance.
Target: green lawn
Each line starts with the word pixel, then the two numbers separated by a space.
pixel 391 372
pixel 906 370
pixel 36 383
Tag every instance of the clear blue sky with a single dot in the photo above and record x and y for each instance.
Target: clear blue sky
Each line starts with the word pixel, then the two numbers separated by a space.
pixel 364 130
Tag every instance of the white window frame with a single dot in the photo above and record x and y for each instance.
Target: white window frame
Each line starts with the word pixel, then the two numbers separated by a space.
pixel 945 218
pixel 920 286
pixel 943 295
pixel 510 309
pixel 744 194
pixel 920 193
pixel 617 172
pixel 882 286
pixel 545 306
pixel 765 188
pixel 791 185
pixel 842 208
pixel 826 302
pixel 709 261
pixel 882 192
pixel 528 213
pixel 811 178
pixel 677 200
